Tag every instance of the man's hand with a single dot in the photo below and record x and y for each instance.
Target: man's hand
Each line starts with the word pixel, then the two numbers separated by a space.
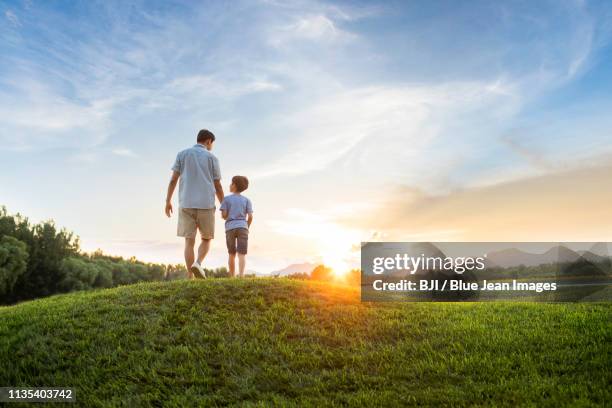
pixel 171 187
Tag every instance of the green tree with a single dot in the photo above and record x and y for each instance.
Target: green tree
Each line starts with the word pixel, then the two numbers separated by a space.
pixel 49 246
pixel 13 263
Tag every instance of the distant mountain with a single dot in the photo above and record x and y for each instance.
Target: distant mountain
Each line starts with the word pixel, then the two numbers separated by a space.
pixel 305 267
pixel 562 254
pixel 515 257
pixel 591 257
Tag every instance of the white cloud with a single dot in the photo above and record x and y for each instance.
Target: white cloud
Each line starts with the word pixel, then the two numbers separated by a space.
pixel 314 27
pixel 12 18
pixel 581 46
pixel 319 27
pixel 263 85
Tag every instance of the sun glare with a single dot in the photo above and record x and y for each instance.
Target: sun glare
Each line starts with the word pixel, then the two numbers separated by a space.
pixel 331 242
pixel 335 252
pixel 338 267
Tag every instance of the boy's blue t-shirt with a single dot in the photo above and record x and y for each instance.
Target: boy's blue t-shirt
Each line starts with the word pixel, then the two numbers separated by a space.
pixel 237 207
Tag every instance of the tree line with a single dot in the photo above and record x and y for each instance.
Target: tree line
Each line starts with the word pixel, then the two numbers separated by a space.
pixel 326 274
pixel 38 260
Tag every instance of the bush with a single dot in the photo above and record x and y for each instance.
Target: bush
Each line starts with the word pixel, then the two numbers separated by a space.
pixel 321 273
pixel 78 274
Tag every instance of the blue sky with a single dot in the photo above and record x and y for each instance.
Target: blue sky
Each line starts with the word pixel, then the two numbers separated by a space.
pixel 330 108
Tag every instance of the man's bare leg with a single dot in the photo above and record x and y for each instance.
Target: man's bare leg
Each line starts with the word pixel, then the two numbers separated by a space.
pixel 241 264
pixel 203 250
pixel 231 262
pixel 189 255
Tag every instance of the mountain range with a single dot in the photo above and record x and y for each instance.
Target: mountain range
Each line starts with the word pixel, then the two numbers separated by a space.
pixel 305 267
pixel 559 254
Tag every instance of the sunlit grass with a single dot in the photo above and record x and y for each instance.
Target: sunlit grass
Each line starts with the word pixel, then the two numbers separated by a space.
pixel 285 342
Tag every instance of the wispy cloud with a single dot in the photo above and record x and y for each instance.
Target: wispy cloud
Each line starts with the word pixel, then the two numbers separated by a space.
pixel 375 128
pixel 531 155
pixel 318 28
pixel 33 114
pixel 84 157
pixel 125 152
pixel 12 18
pixel 216 86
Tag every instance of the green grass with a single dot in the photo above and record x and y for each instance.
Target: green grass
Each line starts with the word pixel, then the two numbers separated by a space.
pixel 279 342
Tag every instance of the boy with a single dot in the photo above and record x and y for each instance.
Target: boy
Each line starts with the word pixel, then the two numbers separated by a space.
pixel 237 210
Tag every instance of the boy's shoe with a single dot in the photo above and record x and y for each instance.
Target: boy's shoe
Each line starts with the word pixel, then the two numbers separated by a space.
pixel 198 270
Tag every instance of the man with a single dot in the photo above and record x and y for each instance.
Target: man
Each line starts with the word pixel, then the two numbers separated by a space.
pixel 200 180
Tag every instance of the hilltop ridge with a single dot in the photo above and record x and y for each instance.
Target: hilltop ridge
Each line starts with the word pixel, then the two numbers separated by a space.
pixel 288 342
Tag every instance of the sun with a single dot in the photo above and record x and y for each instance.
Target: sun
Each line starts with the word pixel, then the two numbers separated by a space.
pixel 336 256
pixel 331 243
pixel 338 267
pixel 335 249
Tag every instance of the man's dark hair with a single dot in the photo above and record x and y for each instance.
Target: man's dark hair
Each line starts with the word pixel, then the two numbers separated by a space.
pixel 241 183
pixel 204 135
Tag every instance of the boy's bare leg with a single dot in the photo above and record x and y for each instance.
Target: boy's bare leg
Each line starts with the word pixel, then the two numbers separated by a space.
pixel 189 255
pixel 231 263
pixel 203 250
pixel 241 263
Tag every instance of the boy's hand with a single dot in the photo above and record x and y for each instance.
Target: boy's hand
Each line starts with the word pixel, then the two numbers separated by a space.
pixel 168 209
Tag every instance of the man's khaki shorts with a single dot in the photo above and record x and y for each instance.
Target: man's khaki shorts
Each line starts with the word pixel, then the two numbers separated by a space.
pixel 191 219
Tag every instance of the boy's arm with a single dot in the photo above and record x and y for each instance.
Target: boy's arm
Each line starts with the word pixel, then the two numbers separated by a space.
pixel 249 211
pixel 224 209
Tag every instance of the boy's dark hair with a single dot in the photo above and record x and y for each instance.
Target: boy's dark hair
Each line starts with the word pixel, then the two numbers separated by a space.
pixel 204 135
pixel 241 183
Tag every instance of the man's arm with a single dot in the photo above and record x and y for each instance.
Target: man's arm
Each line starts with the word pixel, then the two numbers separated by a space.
pixel 171 188
pixel 219 191
pixel 249 219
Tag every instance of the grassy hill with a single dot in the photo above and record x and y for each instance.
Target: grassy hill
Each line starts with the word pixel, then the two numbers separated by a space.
pixel 264 342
